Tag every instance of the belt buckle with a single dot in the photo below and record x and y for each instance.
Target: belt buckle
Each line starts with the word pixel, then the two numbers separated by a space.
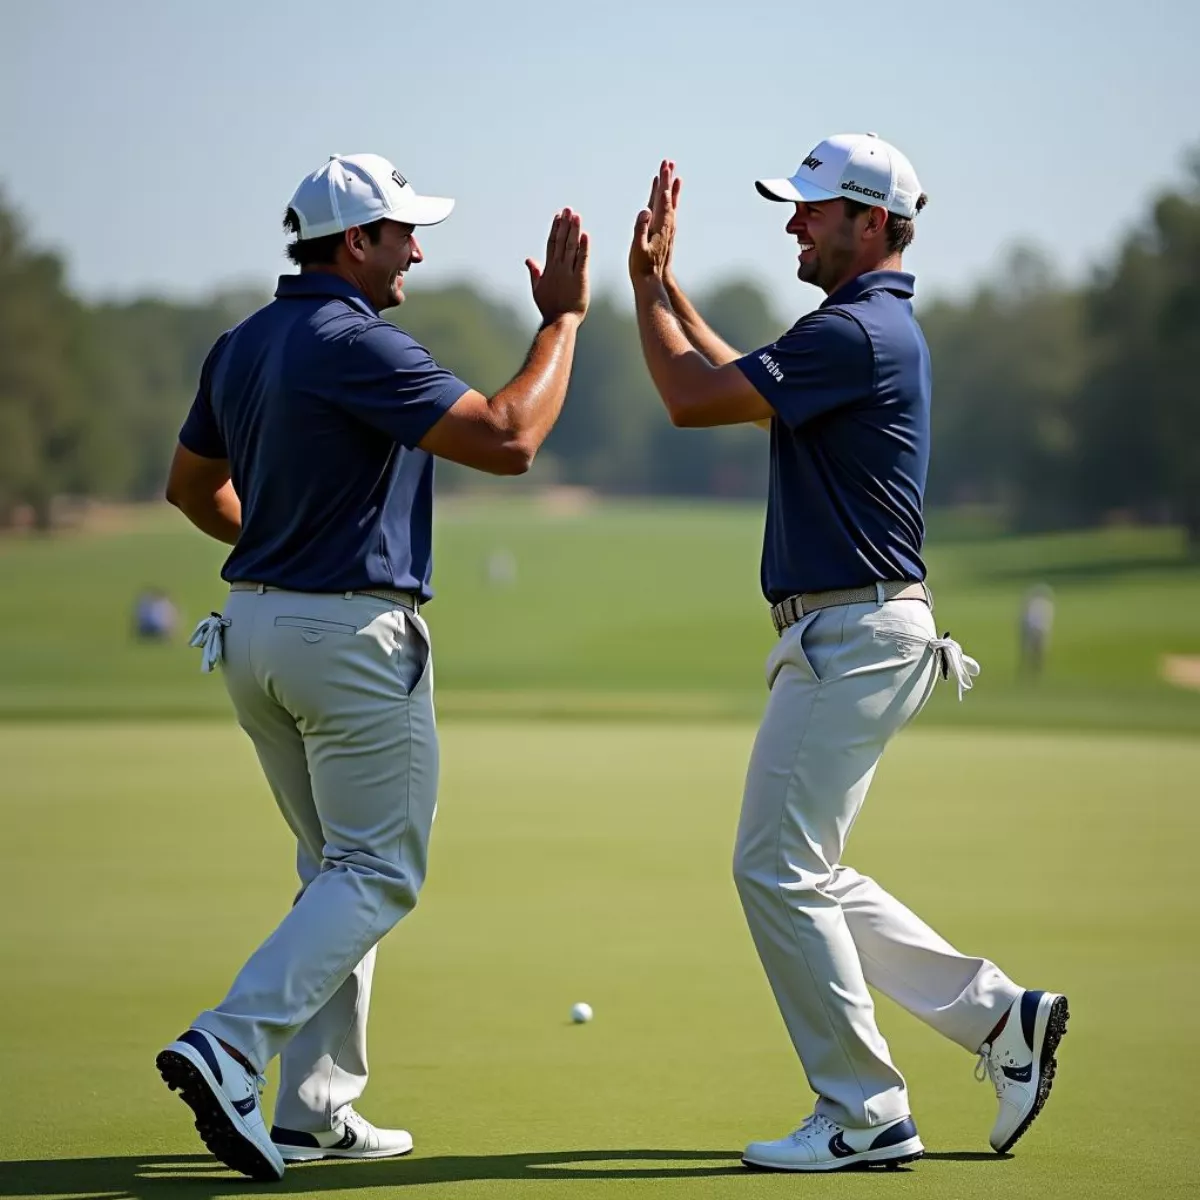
pixel 779 616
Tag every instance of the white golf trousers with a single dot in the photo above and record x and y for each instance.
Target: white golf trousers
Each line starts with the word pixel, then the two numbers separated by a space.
pixel 336 693
pixel 843 681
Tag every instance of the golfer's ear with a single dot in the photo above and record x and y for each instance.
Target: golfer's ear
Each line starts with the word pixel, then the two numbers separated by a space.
pixel 355 240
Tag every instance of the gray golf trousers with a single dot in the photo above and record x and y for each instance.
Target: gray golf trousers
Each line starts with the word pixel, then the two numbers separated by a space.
pixel 336 693
pixel 843 681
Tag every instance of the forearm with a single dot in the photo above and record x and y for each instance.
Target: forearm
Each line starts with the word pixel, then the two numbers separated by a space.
pixel 697 331
pixel 675 365
pixel 528 407
pixel 217 514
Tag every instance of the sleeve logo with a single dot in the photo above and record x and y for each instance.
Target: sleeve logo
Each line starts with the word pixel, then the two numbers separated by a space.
pixel 773 368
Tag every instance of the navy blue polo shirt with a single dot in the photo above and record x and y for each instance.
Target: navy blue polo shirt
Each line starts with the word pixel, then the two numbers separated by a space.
pixel 850 384
pixel 319 405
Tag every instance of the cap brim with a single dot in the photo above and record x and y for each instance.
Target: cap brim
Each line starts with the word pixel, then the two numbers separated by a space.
pixel 423 210
pixel 794 190
pixel 777 189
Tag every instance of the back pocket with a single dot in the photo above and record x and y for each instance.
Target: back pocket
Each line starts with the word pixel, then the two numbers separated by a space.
pixel 314 626
pixel 908 639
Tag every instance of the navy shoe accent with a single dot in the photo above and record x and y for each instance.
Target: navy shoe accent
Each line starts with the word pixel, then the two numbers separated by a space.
pixel 293 1137
pixel 353 1137
pixel 1056 1028
pixel 838 1147
pixel 1029 1008
pixel 1037 1076
pixel 199 1041
pixel 228 1118
pixel 894 1134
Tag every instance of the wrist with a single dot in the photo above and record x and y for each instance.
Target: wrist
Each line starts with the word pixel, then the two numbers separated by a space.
pixel 563 321
pixel 649 285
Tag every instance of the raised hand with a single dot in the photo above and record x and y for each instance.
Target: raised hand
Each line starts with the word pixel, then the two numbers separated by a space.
pixel 654 229
pixel 560 288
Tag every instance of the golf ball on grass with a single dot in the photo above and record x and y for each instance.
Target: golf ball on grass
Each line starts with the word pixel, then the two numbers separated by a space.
pixel 581 1013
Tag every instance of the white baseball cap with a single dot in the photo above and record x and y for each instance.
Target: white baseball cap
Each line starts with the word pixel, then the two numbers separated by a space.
pixel 356 189
pixel 853 166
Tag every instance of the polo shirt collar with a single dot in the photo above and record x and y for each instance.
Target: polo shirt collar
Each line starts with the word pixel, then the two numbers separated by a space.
pixel 322 283
pixel 899 282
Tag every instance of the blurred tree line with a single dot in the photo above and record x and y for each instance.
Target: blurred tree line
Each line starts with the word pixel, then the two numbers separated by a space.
pixel 1054 404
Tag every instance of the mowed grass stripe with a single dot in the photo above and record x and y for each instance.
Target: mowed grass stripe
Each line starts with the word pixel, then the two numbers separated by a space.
pixel 620 610
pixel 591 862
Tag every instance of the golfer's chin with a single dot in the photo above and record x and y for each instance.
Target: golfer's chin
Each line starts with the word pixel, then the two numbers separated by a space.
pixel 396 292
pixel 807 272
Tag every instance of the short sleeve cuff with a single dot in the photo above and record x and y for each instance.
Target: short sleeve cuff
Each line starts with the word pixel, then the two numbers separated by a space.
pixel 439 404
pixel 201 444
pixel 756 369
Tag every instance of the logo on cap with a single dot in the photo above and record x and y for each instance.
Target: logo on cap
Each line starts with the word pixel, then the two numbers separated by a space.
pixel 850 186
pixel 811 163
pixel 399 179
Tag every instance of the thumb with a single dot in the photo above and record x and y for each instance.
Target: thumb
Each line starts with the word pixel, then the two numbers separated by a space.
pixel 641 225
pixel 535 272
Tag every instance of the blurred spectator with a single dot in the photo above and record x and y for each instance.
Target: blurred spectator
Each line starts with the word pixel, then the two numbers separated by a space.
pixel 154 616
pixel 1037 620
pixel 501 568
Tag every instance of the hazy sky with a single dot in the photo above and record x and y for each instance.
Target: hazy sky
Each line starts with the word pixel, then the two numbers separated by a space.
pixel 156 142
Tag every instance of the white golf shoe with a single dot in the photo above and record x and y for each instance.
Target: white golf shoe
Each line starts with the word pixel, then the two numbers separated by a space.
pixel 822 1145
pixel 224 1097
pixel 1021 1063
pixel 353 1136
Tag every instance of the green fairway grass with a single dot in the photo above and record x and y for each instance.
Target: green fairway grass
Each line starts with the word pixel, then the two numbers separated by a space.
pixel 625 610
pixel 142 862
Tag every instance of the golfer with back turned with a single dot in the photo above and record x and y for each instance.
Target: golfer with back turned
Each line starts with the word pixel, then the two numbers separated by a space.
pixel 309 449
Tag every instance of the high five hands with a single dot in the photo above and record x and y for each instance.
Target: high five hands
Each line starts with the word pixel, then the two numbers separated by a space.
pixel 560 288
pixel 654 229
